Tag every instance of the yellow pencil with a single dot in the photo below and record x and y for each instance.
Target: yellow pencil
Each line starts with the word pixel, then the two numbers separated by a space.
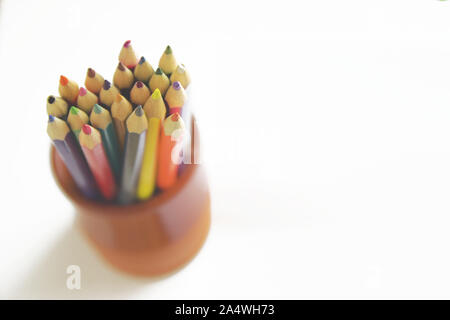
pixel 155 111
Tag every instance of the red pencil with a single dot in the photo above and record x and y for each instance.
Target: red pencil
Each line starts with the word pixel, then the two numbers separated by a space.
pixel 92 146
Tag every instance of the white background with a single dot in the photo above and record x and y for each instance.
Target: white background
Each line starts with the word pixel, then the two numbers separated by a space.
pixel 326 131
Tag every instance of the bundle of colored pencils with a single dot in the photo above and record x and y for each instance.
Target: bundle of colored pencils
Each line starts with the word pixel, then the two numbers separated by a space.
pixel 121 141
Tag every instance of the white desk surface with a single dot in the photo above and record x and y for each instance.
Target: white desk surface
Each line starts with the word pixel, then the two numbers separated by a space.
pixel 326 131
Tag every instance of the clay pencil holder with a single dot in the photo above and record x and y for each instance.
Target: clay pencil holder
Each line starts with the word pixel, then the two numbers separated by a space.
pixel 150 238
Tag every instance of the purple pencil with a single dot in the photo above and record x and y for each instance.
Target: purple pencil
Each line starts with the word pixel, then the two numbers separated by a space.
pixel 68 148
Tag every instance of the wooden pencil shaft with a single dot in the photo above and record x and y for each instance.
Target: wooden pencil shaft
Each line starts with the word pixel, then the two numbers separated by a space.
pixel 101 170
pixel 71 154
pixel 112 149
pixel 134 149
pixel 147 177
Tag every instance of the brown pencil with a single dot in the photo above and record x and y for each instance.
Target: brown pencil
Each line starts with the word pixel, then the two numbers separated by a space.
pixel 123 77
pixel 93 81
pixel 120 110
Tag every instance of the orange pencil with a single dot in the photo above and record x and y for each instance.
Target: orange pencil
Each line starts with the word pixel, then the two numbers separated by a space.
pixel 127 55
pixel 94 152
pixel 170 147
pixel 68 90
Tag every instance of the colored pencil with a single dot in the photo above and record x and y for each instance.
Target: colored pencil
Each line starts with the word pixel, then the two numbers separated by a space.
pixel 86 100
pixel 159 81
pixel 169 155
pixel 134 149
pixel 108 93
pixel 123 77
pixel 175 97
pixel 94 152
pixel 76 119
pixel 143 70
pixel 167 62
pixel 57 106
pixel 155 111
pixel 139 93
pixel 181 75
pixel 120 111
pixel 93 81
pixel 127 55
pixel 101 120
pixel 68 89
pixel 69 150
pixel 154 102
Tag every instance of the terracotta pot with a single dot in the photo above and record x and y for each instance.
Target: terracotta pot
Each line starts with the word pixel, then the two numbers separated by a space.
pixel 149 238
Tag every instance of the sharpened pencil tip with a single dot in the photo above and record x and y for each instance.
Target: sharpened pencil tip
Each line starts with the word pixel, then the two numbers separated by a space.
pixel 177 85
pixel 63 80
pixel 118 97
pixel 86 129
pixel 156 94
pixel 120 66
pixel 106 85
pixel 142 60
pixel 74 110
pixel 139 111
pixel 91 73
pixel 168 50
pixel 127 43
pixel 175 116
pixel 139 84
pixel 159 71
pixel 51 99
pixel 97 108
pixel 51 118
pixel 82 91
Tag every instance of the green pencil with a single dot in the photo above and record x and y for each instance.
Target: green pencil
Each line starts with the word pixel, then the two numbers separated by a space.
pixel 76 119
pixel 101 120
